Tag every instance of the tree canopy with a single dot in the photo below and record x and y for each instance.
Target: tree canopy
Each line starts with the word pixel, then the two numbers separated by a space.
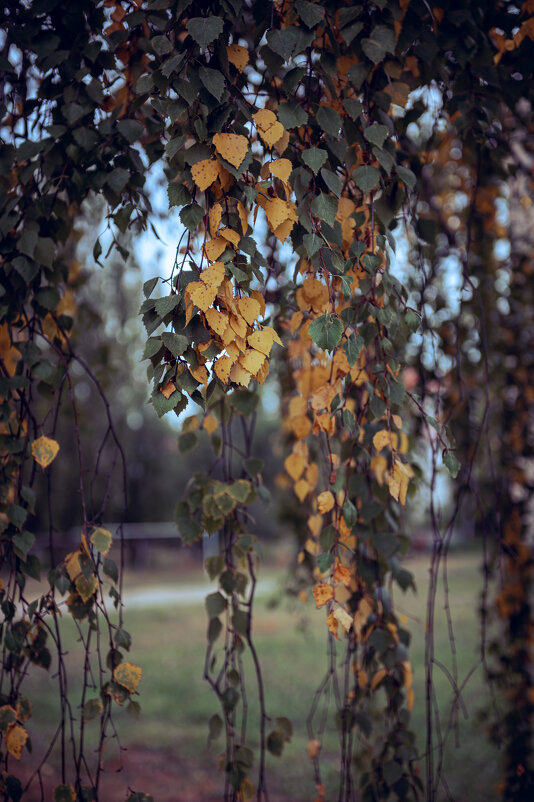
pixel 351 187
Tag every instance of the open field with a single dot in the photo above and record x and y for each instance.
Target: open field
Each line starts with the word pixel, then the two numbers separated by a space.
pixel 167 752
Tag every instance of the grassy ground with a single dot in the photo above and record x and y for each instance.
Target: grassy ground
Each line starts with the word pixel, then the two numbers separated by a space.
pixel 176 703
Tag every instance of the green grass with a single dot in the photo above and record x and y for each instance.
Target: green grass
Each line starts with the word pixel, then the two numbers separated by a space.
pixel 176 702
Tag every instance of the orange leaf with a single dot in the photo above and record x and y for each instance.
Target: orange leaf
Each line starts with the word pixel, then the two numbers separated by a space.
pixel 313 748
pixel 232 147
pixel 323 594
pixel 204 173
pixel 44 451
pixel 128 675
pixel 342 574
pixel 378 677
pixel 243 218
pixel 238 56
pixel 332 624
pixel 169 389
pixel 16 737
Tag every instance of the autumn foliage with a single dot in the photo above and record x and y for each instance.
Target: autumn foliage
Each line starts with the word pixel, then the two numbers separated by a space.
pixel 303 145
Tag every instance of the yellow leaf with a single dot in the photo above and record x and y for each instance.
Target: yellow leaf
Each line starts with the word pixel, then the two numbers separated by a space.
pixel 204 173
pixel 361 616
pixel 230 236
pixel 238 325
pixel 232 147
pixel 278 211
pixel 274 334
pixel 268 126
pixel 222 368
pixel 313 748
pixel 246 791
pixel 384 438
pixel 243 218
pixel 215 247
pixel 301 427
pixel 128 675
pixel 261 341
pixel 283 231
pixel 169 389
pixel 44 451
pixel 323 594
pixel 238 56
pixel 16 737
pixel 215 218
pixel 342 574
pixel 201 294
pixel 323 397
pixel 378 677
pixel 298 406
pixel 325 501
pixel 281 168
pixel 72 564
pixel 302 488
pixel 262 373
pixel 315 524
pixel 252 360
pixel 210 423
pixel 333 624
pixel 258 296
pixel 343 617
pixel 379 466
pixel 398 481
pixel 294 465
pixel 213 275
pixel 249 308
pixel 239 375
pixel 217 321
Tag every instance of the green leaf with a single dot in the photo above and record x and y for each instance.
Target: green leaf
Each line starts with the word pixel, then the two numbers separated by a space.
pixel 352 348
pixel 130 129
pixel 215 604
pixel 164 306
pixel 176 343
pixel 275 743
pixel 187 441
pixel 161 45
pixel 152 346
pixel 376 134
pixel 452 464
pixel 381 41
pixel 163 405
pixel 351 31
pixel 287 42
pixel 406 175
pixel 366 178
pixel 23 541
pixel 325 208
pixel 253 466
pixel 205 30
pixel 314 158
pixel 326 331
pixel 188 529
pixel 244 401
pixel 213 80
pixel 240 622
pixel 91 709
pixel 353 107
pixel 310 13
pixel 291 115
pixel 191 216
pixel 215 725
pixel 123 639
pixel 329 120
pixel 312 243
pixel 177 194
pixel 332 181
pixel 101 540
pixel 350 513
